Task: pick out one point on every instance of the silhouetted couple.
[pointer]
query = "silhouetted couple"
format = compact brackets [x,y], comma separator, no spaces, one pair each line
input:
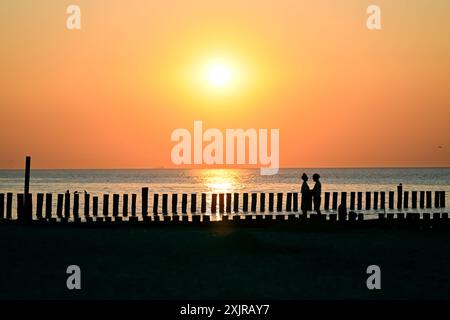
[310,196]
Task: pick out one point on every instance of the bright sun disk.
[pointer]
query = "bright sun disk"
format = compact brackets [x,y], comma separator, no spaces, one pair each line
[219,74]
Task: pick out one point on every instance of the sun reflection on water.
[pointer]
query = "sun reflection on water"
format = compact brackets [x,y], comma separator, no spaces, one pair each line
[221,180]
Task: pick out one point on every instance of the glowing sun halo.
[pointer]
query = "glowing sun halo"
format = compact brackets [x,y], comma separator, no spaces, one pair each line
[219,74]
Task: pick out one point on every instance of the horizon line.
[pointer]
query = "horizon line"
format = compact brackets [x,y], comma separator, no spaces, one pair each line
[249,168]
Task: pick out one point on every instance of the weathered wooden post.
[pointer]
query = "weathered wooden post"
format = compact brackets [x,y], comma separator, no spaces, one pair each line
[228,201]
[48,206]
[271,200]
[254,202]
[133,204]
[360,200]
[87,200]
[422,200]
[184,203]
[289,202]
[221,203]
[67,205]
[382,200]
[399,196]
[9,201]
[174,203]
[203,204]
[116,211]
[125,205]
[368,200]
[115,205]
[20,204]
[335,201]
[288,205]
[414,199]
[155,203]
[76,205]
[2,206]
[87,207]
[213,203]
[295,201]
[262,202]
[235,202]
[144,201]
[106,205]
[352,200]
[96,209]
[279,201]
[428,199]
[27,212]
[39,206]
[442,199]
[391,200]
[436,199]
[164,203]
[95,206]
[406,199]
[59,205]
[375,200]
[326,203]
[193,203]
[29,202]
[245,202]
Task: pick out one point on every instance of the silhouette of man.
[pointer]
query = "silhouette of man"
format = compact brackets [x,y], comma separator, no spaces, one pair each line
[317,192]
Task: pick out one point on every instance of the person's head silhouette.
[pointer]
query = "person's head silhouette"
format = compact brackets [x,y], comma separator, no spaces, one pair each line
[304,177]
[316,177]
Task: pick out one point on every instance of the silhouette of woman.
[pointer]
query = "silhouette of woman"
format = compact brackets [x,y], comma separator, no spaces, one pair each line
[306,195]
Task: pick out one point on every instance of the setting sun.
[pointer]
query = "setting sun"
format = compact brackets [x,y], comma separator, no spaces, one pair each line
[219,74]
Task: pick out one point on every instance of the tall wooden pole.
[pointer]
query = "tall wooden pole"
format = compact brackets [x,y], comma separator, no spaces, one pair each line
[27,215]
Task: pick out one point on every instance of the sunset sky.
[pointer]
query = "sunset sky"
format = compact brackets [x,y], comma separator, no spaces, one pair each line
[110,95]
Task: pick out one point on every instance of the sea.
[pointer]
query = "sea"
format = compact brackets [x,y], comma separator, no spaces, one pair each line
[128,181]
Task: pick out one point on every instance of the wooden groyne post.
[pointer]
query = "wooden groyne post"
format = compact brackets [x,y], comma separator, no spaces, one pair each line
[2,206]
[26,213]
[144,201]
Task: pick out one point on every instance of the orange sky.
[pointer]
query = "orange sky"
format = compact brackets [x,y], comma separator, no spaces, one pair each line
[109,95]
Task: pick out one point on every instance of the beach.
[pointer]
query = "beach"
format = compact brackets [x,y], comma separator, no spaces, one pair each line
[198,262]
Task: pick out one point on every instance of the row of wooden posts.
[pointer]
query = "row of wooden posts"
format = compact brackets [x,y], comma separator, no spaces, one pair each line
[220,203]
[228,202]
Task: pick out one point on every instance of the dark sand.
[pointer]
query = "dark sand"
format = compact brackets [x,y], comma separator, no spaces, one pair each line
[194,262]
